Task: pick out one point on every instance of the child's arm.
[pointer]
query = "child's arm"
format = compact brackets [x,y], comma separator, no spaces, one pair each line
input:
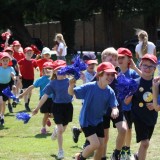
[41,102]
[29,89]
[115,112]
[156,82]
[72,83]
[13,76]
[128,100]
[134,67]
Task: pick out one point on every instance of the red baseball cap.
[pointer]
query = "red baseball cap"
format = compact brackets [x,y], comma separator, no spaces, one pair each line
[151,57]
[59,64]
[8,49]
[48,65]
[16,43]
[4,54]
[106,67]
[91,61]
[28,49]
[124,52]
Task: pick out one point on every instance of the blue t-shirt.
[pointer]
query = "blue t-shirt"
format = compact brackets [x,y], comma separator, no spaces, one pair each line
[96,103]
[130,73]
[42,82]
[89,76]
[59,91]
[5,74]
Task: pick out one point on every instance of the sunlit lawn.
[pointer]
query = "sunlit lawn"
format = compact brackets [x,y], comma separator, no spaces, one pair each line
[20,141]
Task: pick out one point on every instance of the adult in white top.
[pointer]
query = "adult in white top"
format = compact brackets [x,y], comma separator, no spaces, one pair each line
[144,46]
[61,47]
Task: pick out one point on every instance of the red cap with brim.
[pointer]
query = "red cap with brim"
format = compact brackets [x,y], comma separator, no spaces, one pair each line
[4,55]
[28,49]
[48,65]
[16,43]
[59,64]
[106,67]
[150,57]
[92,62]
[8,49]
[124,52]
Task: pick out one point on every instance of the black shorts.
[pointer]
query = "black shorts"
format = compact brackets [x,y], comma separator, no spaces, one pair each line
[47,107]
[143,131]
[11,83]
[63,113]
[107,119]
[128,117]
[2,87]
[90,130]
[26,83]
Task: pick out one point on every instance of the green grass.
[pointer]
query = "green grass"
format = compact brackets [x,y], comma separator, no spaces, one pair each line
[20,141]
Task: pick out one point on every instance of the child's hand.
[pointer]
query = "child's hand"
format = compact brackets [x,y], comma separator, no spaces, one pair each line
[115,113]
[128,99]
[72,82]
[156,81]
[150,106]
[132,64]
[34,112]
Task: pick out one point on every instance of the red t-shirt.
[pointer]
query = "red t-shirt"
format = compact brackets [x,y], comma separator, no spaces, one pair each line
[27,68]
[18,55]
[40,63]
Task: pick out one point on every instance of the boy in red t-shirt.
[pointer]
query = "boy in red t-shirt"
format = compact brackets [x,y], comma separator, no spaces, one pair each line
[46,55]
[27,66]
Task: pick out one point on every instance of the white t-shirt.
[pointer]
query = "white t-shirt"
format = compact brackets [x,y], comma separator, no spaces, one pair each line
[64,49]
[150,50]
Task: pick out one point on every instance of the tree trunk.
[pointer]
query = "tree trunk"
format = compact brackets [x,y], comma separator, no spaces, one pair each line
[68,30]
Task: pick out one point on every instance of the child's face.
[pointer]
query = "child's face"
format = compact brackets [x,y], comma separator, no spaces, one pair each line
[28,54]
[123,61]
[112,59]
[47,71]
[147,68]
[107,78]
[16,48]
[46,56]
[91,67]
[5,62]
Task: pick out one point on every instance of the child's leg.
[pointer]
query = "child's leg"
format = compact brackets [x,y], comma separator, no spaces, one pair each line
[142,152]
[94,145]
[1,104]
[106,138]
[60,130]
[98,152]
[44,120]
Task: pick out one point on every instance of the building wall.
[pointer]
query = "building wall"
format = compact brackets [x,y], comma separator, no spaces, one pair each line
[89,35]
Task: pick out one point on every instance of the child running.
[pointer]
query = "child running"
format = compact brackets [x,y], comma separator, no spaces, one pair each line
[63,109]
[98,97]
[41,82]
[8,73]
[27,66]
[46,55]
[143,112]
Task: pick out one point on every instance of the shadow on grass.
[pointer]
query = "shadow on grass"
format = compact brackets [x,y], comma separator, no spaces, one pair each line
[42,135]
[10,114]
[76,147]
[54,156]
[3,127]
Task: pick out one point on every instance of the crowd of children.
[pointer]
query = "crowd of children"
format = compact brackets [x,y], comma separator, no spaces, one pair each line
[100,101]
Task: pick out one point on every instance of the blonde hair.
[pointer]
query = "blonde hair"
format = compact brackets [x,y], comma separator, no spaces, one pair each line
[143,36]
[59,36]
[107,52]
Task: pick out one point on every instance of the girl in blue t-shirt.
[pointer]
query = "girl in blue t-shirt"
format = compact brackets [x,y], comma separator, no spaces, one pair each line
[6,74]
[41,82]
[98,97]
[62,101]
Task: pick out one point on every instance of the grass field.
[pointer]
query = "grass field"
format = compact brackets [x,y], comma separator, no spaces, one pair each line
[20,141]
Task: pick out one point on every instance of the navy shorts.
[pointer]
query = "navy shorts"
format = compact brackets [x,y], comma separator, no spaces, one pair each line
[2,87]
[90,130]
[128,117]
[47,107]
[143,131]
[26,83]
[63,113]
[107,119]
